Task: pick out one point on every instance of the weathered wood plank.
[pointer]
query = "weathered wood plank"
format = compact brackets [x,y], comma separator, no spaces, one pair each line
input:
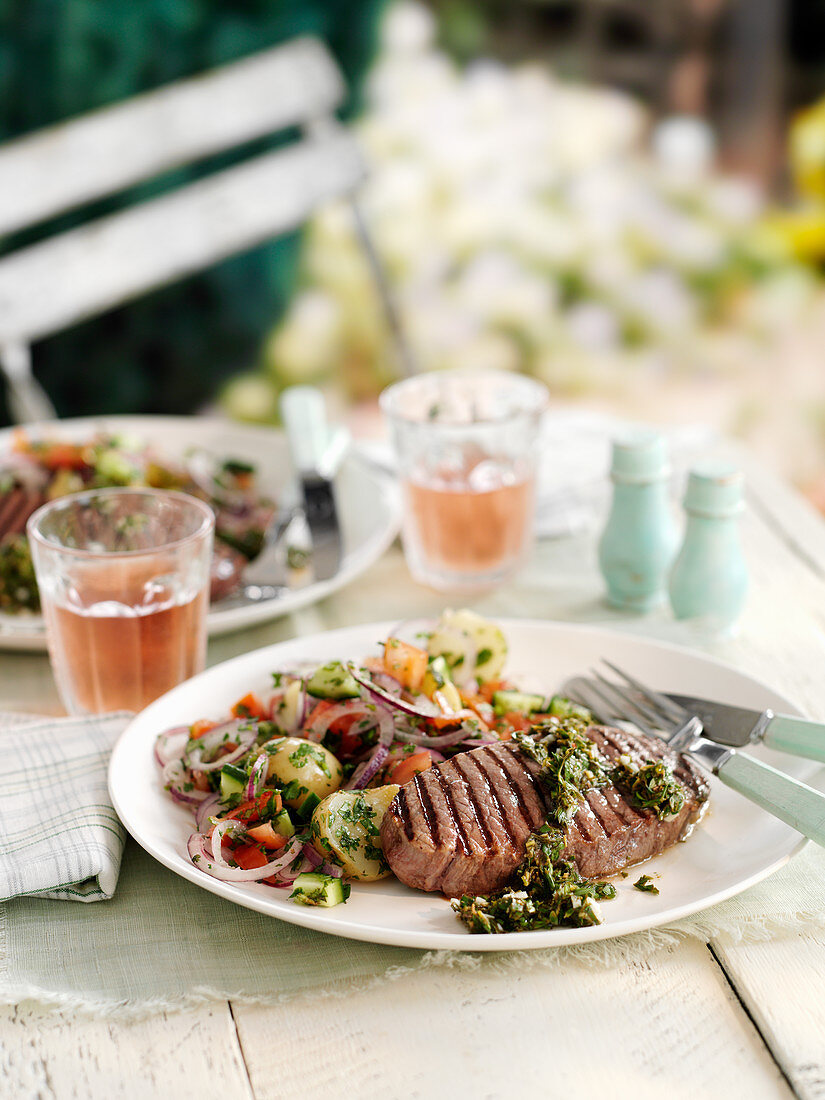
[52,285]
[60,1056]
[666,1027]
[782,983]
[103,152]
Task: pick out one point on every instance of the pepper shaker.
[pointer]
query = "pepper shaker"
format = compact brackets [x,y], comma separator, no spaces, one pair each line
[709,578]
[636,548]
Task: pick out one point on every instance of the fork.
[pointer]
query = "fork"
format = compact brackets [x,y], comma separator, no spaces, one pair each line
[795,803]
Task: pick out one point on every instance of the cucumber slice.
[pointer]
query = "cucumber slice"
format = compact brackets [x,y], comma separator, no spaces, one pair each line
[307,807]
[487,639]
[313,888]
[282,823]
[562,707]
[233,781]
[522,702]
[333,681]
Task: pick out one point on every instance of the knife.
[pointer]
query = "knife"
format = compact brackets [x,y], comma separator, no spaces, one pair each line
[316,455]
[730,725]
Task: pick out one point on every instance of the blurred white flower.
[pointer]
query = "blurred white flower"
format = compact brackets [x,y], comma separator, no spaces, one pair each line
[303,348]
[593,327]
[660,301]
[407,28]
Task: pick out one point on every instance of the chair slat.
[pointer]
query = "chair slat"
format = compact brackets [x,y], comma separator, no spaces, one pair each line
[75,162]
[59,282]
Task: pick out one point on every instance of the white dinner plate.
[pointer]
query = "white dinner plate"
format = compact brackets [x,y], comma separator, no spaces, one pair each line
[736,845]
[367,501]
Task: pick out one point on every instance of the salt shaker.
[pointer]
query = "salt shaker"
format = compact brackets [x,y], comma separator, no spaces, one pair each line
[637,545]
[709,579]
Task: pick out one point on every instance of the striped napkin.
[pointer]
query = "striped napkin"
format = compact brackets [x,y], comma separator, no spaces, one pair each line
[59,834]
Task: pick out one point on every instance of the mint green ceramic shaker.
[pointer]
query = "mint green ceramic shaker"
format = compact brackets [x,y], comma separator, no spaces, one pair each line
[636,548]
[709,579]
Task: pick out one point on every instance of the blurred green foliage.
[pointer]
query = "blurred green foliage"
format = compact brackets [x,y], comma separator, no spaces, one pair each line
[169,351]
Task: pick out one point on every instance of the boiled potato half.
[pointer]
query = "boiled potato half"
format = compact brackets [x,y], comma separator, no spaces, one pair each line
[487,638]
[314,768]
[346,826]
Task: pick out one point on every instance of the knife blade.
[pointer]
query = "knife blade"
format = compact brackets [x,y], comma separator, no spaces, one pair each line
[737,726]
[316,453]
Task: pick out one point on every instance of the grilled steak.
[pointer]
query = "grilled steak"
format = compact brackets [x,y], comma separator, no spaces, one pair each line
[460,827]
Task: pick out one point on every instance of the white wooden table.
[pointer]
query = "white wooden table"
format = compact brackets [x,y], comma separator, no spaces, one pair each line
[697,1020]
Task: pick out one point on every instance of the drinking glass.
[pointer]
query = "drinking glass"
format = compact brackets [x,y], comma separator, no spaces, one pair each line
[466,445]
[124,585]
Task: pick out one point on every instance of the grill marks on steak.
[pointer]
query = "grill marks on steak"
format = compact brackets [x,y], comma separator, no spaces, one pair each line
[461,826]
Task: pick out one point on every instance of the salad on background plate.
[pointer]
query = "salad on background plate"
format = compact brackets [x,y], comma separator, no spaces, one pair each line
[37,469]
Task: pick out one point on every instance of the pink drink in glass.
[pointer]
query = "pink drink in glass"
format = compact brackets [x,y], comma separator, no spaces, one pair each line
[124,584]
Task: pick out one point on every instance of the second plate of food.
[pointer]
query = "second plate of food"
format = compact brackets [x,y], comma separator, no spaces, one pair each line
[735,845]
[366,531]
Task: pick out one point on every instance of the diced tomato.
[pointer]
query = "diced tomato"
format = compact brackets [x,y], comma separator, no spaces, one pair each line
[63,456]
[406,663]
[250,706]
[249,856]
[487,690]
[200,782]
[444,722]
[266,805]
[266,835]
[517,721]
[202,726]
[407,768]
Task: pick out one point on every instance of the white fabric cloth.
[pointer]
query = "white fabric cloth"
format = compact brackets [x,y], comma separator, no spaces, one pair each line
[59,834]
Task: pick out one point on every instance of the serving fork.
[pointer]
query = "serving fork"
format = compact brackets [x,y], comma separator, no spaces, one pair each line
[795,803]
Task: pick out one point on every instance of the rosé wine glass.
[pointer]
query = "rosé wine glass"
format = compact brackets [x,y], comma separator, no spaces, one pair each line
[466,445]
[124,584]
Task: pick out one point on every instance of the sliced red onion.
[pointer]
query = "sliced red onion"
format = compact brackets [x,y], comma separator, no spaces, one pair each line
[228,826]
[176,777]
[313,857]
[367,769]
[387,682]
[410,631]
[444,740]
[257,777]
[441,699]
[415,710]
[205,811]
[25,470]
[303,710]
[240,731]
[356,708]
[170,744]
[463,647]
[201,855]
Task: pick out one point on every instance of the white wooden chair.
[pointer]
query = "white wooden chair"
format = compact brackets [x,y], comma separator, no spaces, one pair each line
[102,264]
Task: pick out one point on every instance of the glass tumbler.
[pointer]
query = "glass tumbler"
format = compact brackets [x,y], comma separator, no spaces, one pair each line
[124,585]
[466,446]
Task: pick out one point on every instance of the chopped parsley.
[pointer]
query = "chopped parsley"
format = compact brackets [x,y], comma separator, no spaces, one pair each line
[309,753]
[652,786]
[571,764]
[569,761]
[546,891]
[646,884]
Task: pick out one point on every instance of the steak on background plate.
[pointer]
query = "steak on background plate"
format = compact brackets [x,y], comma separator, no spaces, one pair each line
[461,826]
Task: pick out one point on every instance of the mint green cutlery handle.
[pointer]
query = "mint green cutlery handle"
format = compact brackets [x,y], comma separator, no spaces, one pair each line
[798,736]
[793,802]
